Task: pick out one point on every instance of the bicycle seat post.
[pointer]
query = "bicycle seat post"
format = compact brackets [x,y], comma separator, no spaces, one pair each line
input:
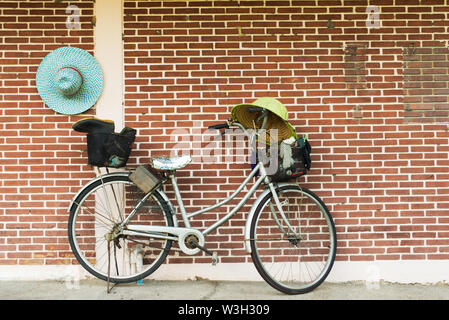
[179,198]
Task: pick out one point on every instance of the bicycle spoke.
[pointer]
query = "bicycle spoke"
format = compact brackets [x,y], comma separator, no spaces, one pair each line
[96,212]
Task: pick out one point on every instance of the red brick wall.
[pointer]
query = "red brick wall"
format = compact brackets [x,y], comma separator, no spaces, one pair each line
[41,165]
[382,170]
[379,136]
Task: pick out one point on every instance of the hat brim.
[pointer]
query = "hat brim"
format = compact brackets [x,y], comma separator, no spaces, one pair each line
[273,108]
[247,119]
[90,90]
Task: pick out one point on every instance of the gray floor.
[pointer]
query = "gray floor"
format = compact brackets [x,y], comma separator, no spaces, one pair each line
[213,290]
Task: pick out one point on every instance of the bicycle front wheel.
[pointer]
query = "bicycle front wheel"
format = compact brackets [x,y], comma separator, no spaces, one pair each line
[294,255]
[99,208]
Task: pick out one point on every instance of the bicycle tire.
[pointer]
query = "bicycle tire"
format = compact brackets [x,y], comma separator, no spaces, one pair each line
[274,260]
[78,218]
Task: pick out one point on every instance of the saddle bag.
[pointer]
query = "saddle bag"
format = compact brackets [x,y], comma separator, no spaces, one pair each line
[110,149]
[106,148]
[299,163]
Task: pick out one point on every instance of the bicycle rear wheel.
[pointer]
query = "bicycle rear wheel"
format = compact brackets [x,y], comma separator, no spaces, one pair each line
[297,258]
[97,210]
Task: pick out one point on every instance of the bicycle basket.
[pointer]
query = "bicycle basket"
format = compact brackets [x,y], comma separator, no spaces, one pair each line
[300,154]
[105,148]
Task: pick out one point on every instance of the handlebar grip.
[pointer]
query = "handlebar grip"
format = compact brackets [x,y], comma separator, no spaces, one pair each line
[219,126]
[255,109]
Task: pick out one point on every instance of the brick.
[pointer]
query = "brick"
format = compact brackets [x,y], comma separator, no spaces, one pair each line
[178,71]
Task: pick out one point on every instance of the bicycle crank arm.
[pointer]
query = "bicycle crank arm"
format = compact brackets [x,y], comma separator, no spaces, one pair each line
[213,254]
[196,245]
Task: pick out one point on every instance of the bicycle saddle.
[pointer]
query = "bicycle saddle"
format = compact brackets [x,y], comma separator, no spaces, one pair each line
[174,163]
[94,125]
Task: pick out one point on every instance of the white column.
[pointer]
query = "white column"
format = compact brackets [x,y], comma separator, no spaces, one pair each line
[109,53]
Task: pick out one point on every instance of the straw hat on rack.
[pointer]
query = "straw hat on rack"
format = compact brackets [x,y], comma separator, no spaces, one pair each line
[277,119]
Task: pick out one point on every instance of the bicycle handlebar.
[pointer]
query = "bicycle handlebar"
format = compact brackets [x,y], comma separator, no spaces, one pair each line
[219,126]
[251,135]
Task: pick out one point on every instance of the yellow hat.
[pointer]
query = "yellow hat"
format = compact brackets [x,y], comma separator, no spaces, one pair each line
[277,118]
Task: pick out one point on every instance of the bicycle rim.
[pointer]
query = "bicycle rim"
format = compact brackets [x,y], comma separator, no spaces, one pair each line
[97,210]
[298,258]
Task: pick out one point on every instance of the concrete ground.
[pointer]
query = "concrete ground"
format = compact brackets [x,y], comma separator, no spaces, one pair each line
[202,290]
[204,299]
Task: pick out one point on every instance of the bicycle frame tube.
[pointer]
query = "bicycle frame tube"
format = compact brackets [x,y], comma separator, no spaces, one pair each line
[233,211]
[186,217]
[244,183]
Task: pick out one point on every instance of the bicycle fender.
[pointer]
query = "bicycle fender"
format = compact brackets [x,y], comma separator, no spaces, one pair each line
[252,212]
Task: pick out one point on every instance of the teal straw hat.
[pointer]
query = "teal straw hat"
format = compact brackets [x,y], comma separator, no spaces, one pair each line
[69,80]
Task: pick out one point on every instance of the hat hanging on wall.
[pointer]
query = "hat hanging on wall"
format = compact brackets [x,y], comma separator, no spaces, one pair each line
[69,80]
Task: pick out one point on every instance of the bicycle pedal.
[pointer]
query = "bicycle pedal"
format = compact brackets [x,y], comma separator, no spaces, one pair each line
[214,258]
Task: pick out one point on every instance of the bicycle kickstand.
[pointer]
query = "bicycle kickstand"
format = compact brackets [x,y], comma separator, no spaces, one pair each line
[109,289]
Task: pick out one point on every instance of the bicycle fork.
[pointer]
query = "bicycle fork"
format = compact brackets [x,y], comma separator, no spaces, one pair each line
[278,217]
[281,211]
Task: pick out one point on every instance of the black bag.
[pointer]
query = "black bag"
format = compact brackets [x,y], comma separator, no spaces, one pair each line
[110,149]
[105,148]
[301,150]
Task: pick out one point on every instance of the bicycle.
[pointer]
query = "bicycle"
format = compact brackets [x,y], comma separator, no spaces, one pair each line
[289,231]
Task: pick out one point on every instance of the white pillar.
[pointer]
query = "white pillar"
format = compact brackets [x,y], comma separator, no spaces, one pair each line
[109,53]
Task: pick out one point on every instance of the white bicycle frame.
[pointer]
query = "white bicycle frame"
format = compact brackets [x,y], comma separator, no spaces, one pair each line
[176,232]
[179,233]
